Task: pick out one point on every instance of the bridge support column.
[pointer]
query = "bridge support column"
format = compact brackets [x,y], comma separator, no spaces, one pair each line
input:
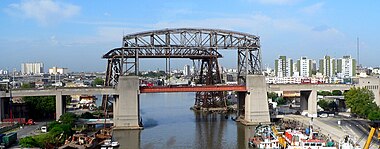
[127,105]
[303,101]
[311,97]
[256,101]
[2,112]
[59,109]
[240,103]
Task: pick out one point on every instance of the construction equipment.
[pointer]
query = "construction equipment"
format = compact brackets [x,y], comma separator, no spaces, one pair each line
[30,122]
[375,125]
[281,139]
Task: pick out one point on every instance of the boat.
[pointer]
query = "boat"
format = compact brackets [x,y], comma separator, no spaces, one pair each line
[264,138]
[80,141]
[109,144]
[348,143]
[297,139]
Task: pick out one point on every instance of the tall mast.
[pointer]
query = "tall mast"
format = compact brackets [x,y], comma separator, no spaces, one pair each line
[357,51]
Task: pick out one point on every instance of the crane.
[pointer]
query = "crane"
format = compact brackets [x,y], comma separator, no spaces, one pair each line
[375,125]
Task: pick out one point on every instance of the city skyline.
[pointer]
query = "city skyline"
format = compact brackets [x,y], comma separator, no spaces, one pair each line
[75,35]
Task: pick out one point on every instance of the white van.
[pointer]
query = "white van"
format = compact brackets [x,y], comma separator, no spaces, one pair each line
[44,129]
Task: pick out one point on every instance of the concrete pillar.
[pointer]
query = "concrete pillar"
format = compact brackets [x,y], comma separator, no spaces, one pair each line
[240,103]
[1,108]
[303,101]
[256,101]
[127,105]
[309,102]
[115,98]
[58,105]
[312,104]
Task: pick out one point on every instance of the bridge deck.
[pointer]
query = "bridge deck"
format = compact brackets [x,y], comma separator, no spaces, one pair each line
[207,88]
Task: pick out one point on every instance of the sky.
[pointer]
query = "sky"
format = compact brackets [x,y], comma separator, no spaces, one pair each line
[75,34]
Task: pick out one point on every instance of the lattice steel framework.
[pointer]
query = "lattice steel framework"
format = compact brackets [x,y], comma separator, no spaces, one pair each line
[201,44]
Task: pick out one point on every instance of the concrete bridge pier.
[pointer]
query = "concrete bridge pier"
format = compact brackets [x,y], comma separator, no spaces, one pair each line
[256,101]
[59,105]
[309,102]
[2,111]
[127,105]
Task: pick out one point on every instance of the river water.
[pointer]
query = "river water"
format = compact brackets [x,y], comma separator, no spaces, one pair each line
[169,123]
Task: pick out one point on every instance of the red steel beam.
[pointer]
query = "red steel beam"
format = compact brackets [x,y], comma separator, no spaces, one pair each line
[207,88]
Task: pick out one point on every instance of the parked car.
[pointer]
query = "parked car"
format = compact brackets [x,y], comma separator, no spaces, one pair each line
[44,129]
[323,115]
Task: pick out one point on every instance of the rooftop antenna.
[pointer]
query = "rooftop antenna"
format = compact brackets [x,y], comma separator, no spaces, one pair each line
[357,51]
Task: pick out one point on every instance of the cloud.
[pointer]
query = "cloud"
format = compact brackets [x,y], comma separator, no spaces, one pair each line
[312,9]
[321,28]
[45,12]
[276,2]
[54,40]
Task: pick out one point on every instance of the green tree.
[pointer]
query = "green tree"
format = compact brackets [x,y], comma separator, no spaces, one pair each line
[98,81]
[324,104]
[68,118]
[374,115]
[42,106]
[281,101]
[336,93]
[361,101]
[27,85]
[324,93]
[272,95]
[87,115]
[28,142]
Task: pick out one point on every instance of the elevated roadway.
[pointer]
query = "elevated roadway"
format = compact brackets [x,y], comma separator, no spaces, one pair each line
[63,91]
[308,87]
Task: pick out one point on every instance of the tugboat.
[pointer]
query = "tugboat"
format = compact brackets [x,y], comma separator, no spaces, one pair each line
[348,143]
[264,138]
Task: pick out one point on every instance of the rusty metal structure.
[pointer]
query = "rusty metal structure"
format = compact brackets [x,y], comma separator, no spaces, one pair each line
[191,43]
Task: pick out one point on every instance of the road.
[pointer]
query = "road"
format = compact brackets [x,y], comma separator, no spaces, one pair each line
[29,130]
[359,128]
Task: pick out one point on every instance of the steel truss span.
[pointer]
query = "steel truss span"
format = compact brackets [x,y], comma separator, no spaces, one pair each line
[191,43]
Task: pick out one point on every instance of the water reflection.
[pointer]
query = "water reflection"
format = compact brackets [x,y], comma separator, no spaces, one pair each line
[209,130]
[128,138]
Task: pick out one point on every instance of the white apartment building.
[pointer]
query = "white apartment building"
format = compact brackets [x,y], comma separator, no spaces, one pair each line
[186,70]
[56,70]
[305,67]
[283,67]
[35,68]
[346,67]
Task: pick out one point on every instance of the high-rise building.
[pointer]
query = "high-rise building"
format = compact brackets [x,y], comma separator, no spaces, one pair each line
[305,67]
[283,67]
[327,66]
[186,70]
[346,67]
[35,68]
[56,70]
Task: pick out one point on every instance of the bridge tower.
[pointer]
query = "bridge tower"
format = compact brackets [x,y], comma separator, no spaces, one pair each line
[210,75]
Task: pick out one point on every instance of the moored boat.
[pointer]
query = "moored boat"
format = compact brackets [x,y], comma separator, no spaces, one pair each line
[309,139]
[348,142]
[264,138]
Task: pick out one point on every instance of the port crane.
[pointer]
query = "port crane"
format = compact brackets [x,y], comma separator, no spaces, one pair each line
[375,125]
